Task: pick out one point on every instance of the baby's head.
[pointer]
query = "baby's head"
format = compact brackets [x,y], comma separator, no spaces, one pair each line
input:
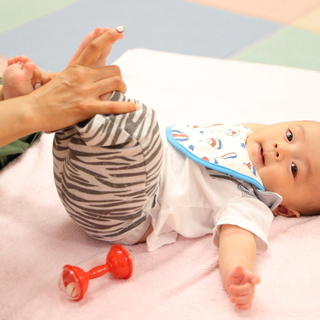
[287,158]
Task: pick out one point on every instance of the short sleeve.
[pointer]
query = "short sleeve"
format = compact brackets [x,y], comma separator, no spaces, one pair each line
[250,214]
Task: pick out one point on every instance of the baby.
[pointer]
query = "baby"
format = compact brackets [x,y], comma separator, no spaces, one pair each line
[121,181]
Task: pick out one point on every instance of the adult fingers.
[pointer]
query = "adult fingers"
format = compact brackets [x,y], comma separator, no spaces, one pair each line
[107,85]
[88,80]
[46,77]
[105,72]
[40,78]
[36,78]
[88,38]
[111,107]
[93,50]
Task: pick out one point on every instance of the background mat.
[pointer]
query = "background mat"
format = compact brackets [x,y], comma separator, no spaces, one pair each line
[279,32]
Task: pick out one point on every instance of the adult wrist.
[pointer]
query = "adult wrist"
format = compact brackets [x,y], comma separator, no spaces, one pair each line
[1,94]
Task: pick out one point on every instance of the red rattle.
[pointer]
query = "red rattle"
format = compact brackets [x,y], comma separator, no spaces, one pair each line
[74,281]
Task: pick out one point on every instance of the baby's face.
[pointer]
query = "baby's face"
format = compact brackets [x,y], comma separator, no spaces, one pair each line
[287,157]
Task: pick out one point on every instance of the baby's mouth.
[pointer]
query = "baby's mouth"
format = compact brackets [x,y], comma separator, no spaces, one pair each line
[262,156]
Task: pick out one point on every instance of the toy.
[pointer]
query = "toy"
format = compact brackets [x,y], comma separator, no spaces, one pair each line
[74,281]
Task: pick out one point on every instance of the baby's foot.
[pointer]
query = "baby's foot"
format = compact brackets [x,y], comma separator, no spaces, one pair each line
[17,77]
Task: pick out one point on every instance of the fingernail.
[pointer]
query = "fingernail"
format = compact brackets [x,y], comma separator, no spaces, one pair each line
[138,107]
[120,29]
[37,85]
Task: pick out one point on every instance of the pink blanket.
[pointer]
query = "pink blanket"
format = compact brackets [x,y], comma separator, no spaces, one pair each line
[179,281]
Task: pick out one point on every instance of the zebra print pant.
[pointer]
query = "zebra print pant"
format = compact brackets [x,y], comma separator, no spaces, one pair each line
[107,170]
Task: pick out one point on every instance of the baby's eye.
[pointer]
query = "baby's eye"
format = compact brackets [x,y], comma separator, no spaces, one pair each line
[294,169]
[289,135]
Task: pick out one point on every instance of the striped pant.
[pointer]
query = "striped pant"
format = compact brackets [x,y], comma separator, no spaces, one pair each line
[107,171]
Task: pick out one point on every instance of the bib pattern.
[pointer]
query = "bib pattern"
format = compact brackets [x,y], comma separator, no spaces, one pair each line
[219,147]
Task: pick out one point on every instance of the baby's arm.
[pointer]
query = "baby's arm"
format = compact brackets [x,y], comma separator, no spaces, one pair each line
[237,252]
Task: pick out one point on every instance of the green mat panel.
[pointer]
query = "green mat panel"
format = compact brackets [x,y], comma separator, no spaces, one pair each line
[290,46]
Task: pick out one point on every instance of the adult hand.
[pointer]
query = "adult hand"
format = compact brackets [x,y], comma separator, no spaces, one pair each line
[73,95]
[70,97]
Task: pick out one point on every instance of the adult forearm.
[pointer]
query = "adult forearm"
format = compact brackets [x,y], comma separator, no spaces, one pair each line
[13,120]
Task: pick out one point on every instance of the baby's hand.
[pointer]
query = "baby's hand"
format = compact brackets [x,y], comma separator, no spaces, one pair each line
[240,284]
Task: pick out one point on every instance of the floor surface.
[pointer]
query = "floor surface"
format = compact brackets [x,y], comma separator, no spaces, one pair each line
[277,32]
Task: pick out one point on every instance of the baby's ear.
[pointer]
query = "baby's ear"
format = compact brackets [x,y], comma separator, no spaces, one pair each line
[285,212]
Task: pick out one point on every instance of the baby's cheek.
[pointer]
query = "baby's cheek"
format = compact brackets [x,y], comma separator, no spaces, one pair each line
[270,180]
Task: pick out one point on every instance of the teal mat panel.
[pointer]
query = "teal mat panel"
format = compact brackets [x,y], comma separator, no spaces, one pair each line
[17,12]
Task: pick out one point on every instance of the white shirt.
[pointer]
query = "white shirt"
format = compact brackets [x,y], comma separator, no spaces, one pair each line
[193,204]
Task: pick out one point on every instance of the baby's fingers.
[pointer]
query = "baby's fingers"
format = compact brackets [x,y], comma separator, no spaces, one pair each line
[245,306]
[242,296]
[241,290]
[255,279]
[238,272]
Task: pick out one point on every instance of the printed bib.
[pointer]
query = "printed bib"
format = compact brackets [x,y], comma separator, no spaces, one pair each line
[219,147]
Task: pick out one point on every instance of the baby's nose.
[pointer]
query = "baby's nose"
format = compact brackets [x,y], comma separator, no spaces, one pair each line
[279,151]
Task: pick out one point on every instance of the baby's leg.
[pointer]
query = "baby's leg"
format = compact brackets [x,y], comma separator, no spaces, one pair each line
[17,77]
[107,171]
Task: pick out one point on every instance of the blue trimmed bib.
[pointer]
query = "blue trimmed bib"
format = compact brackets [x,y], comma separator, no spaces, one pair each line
[219,147]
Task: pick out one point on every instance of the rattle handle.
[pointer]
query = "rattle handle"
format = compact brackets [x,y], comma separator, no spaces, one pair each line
[98,271]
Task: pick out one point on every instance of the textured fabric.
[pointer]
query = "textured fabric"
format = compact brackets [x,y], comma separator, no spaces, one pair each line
[221,147]
[14,149]
[106,172]
[194,201]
